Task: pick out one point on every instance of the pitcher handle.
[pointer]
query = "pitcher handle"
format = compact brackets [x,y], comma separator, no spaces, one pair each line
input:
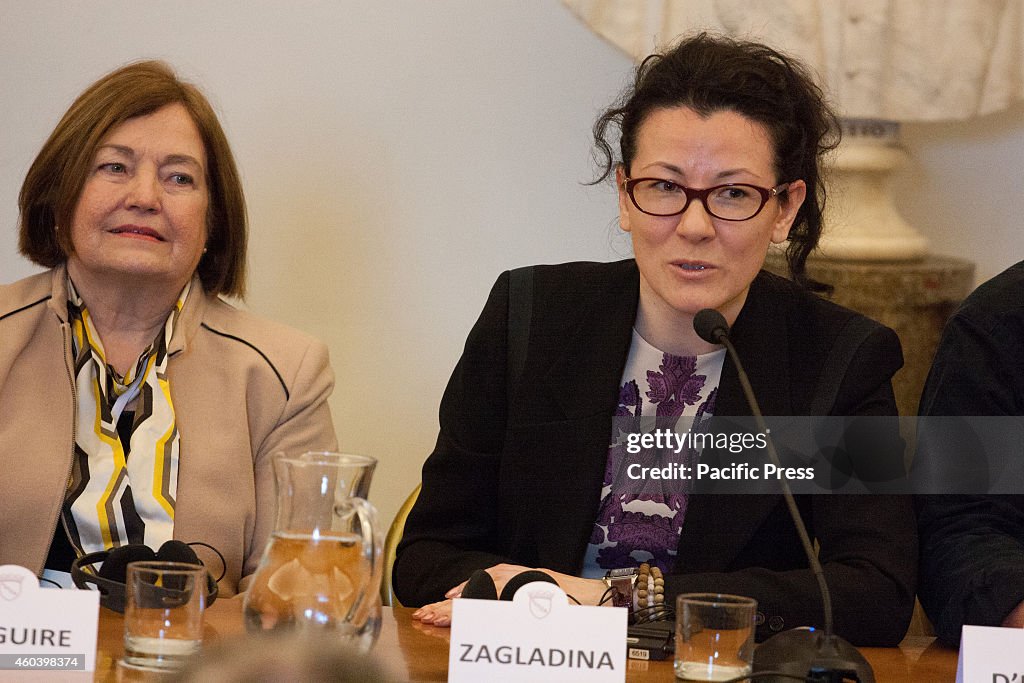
[373,545]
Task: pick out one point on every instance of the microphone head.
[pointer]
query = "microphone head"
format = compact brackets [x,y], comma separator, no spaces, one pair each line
[710,325]
[480,586]
[523,578]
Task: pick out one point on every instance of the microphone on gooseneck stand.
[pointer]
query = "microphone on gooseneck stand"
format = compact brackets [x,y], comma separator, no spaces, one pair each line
[818,656]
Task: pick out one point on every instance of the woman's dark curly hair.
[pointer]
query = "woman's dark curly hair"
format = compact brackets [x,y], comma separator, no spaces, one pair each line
[712,73]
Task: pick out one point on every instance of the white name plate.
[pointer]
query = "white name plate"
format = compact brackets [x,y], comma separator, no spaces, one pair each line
[45,629]
[538,636]
[990,654]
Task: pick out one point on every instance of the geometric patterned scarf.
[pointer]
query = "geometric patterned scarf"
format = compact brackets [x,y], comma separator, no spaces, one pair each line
[117,496]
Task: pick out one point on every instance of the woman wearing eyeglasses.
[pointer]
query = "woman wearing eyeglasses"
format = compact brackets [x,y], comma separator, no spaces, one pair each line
[720,151]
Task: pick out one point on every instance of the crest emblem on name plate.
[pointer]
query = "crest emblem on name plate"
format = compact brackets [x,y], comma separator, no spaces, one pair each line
[10,586]
[540,604]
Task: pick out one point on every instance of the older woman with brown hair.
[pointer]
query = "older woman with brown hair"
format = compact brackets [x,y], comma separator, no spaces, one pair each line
[138,406]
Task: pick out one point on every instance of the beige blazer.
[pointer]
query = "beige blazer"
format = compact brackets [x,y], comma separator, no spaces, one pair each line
[243,389]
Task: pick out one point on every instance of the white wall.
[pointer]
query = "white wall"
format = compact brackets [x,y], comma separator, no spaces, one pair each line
[964,188]
[398,155]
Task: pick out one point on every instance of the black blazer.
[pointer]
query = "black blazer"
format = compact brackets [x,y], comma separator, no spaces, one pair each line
[972,547]
[521,483]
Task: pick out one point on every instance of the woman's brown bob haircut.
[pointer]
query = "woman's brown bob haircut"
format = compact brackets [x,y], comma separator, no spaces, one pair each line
[54,183]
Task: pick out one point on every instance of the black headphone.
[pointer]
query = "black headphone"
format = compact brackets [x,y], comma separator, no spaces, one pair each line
[112,575]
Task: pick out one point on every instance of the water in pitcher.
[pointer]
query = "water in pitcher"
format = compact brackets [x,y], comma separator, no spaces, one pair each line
[311,580]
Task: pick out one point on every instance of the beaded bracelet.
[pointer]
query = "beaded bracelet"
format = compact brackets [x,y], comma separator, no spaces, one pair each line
[650,589]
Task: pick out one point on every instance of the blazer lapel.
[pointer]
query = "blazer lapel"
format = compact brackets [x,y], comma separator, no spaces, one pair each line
[578,391]
[718,527]
[584,374]
[761,338]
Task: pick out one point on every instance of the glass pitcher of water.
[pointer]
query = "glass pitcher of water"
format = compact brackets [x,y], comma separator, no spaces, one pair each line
[322,567]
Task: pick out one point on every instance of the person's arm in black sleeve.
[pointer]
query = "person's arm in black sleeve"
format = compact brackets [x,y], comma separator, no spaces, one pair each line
[972,546]
[972,561]
[453,528]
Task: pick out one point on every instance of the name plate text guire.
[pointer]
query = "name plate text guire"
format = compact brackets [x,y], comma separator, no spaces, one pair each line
[40,629]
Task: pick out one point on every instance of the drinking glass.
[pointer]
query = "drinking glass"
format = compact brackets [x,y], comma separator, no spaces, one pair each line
[163,617]
[714,636]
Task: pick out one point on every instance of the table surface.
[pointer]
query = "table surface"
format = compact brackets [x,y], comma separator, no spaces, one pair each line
[420,653]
